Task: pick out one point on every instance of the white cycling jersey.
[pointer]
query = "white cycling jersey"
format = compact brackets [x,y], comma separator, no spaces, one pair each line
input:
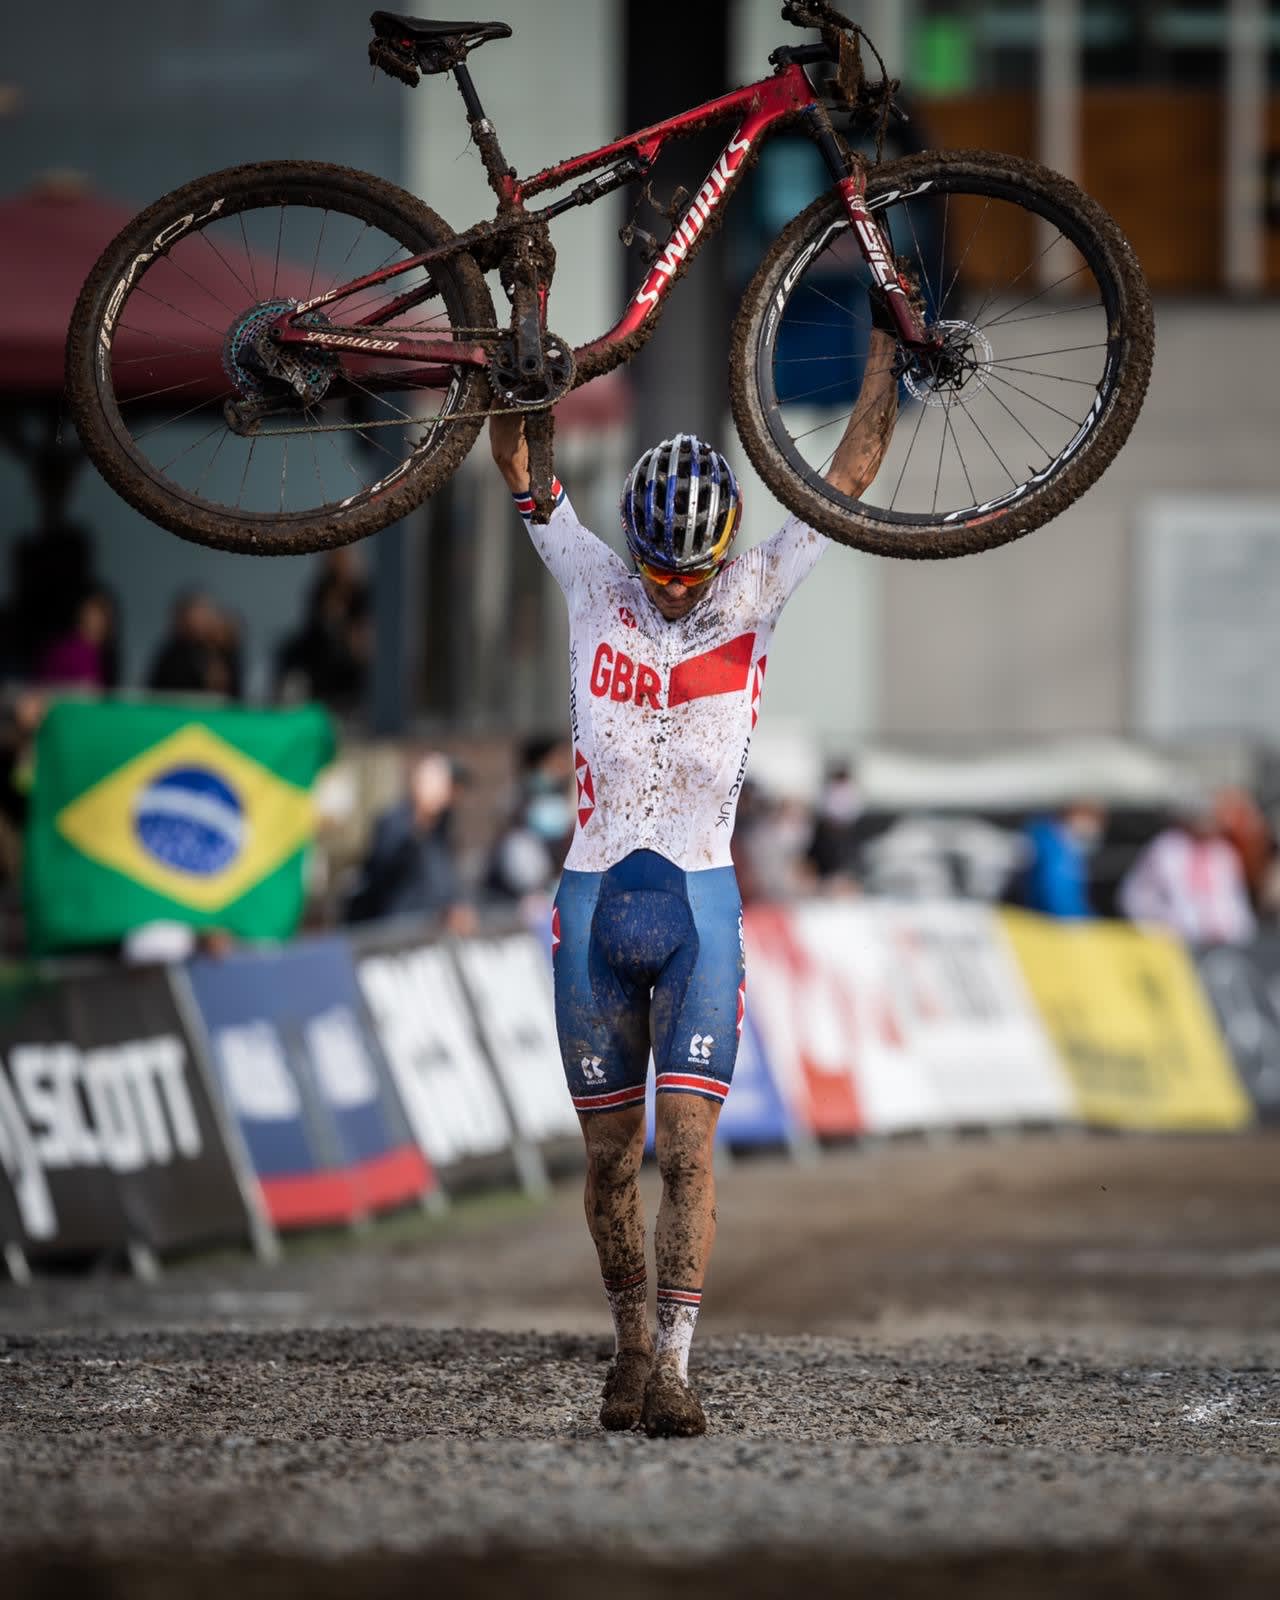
[662,712]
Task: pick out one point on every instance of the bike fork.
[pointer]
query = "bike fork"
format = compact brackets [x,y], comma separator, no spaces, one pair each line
[850,178]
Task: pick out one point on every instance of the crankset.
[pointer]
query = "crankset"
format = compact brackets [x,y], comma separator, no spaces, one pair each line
[517,389]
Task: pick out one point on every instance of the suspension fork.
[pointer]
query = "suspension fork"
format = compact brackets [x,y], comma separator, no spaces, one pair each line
[850,177]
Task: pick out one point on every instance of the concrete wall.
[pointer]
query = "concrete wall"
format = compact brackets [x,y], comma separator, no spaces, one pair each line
[1037,638]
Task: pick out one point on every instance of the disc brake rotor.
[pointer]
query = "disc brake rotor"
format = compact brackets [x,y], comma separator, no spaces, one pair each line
[956,372]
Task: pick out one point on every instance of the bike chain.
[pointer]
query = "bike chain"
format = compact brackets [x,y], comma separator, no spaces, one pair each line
[406,422]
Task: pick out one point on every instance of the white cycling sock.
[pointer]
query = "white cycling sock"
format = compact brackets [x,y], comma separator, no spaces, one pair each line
[629,1305]
[677,1316]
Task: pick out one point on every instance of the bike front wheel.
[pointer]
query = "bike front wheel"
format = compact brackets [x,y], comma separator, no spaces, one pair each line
[169,351]
[1046,335]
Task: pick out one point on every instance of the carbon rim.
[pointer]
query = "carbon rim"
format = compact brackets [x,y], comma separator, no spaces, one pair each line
[229,255]
[978,448]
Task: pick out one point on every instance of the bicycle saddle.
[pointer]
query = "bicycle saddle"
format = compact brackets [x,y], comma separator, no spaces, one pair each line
[425,30]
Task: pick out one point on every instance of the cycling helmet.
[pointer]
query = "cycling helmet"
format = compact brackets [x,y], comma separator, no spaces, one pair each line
[681,505]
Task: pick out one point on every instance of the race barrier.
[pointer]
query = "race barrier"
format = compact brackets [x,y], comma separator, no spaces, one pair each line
[1131,1023]
[326,1080]
[303,1072]
[883,1018]
[109,1136]
[1243,983]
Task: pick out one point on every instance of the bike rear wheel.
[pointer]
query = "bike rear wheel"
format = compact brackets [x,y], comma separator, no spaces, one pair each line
[169,327]
[1048,328]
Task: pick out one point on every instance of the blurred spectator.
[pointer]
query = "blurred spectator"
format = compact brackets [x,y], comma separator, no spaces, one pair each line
[49,571]
[410,868]
[770,845]
[327,658]
[1242,824]
[530,851]
[17,755]
[226,644]
[79,656]
[1189,880]
[1055,879]
[936,858]
[833,849]
[193,658]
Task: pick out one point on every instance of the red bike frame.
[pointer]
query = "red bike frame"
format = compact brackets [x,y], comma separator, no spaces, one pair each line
[761,109]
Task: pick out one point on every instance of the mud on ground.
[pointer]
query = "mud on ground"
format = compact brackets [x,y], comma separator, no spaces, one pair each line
[1041,1366]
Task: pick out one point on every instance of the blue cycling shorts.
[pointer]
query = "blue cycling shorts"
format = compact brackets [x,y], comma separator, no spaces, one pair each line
[647,953]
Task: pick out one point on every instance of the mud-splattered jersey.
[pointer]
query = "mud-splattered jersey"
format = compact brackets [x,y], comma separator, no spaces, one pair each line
[662,713]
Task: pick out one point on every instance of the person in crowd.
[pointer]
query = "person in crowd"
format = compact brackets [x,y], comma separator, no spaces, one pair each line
[410,868]
[49,569]
[1055,877]
[226,643]
[327,657]
[17,754]
[1190,881]
[192,658]
[79,657]
[529,852]
[833,849]
[1244,826]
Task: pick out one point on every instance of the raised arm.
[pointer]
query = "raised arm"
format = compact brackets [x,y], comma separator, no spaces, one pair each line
[871,423]
[570,551]
[510,449]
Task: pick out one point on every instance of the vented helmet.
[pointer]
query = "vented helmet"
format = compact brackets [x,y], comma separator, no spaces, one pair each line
[681,505]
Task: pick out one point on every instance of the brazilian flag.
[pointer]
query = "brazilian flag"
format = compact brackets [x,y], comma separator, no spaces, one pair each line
[147,812]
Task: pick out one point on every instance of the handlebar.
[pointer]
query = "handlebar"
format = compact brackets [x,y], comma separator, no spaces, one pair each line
[840,44]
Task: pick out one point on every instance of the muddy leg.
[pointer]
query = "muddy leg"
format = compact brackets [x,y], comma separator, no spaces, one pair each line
[615,1216]
[686,1230]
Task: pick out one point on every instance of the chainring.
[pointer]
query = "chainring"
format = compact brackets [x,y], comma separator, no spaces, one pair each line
[514,388]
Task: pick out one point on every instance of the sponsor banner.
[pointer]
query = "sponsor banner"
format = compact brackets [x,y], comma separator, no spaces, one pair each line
[303,1073]
[883,1017]
[154,812]
[802,1006]
[107,1133]
[1243,983]
[423,1019]
[958,1003]
[509,984]
[1131,1025]
[11,1229]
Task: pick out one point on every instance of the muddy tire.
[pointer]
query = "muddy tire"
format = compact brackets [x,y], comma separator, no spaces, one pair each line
[1001,518]
[108,441]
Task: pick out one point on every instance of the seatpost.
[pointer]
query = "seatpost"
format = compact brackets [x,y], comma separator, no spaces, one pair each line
[495,163]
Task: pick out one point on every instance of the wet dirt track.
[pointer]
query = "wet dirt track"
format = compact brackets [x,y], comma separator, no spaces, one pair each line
[1028,1367]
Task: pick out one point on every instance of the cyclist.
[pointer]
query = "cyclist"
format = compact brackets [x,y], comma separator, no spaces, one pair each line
[666,665]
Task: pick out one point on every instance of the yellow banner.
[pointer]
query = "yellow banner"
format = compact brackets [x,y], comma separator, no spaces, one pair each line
[1135,1034]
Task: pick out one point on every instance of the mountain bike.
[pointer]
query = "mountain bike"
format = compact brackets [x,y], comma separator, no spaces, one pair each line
[287,356]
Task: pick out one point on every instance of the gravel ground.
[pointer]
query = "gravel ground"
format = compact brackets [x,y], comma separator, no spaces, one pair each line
[1027,1367]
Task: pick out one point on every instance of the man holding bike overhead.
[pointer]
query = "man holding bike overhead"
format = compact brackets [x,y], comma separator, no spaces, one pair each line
[666,667]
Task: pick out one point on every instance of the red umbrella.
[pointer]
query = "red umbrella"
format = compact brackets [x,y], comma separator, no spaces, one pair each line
[171,330]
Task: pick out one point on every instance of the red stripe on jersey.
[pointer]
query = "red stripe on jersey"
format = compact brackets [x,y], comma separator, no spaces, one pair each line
[721,671]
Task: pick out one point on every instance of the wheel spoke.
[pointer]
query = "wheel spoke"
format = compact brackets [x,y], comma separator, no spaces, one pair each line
[1031,299]
[999,377]
[897,487]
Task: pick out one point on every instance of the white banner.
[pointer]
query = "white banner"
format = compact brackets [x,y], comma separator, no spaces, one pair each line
[884,1017]
[509,982]
[421,1014]
[967,1017]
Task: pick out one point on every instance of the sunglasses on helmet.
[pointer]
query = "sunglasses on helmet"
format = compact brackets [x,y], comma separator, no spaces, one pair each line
[690,579]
